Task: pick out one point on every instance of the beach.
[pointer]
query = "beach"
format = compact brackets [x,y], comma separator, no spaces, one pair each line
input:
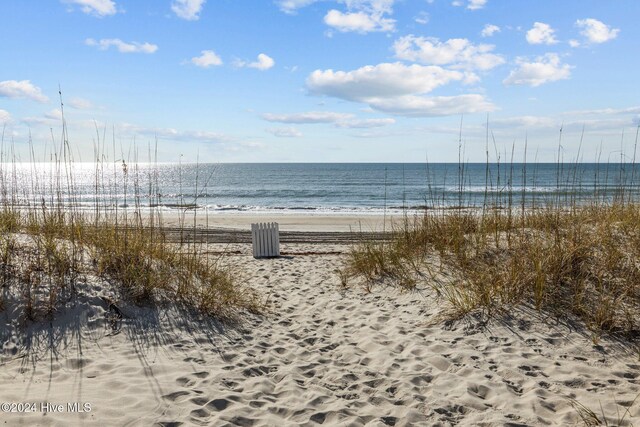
[318,355]
[343,223]
[319,213]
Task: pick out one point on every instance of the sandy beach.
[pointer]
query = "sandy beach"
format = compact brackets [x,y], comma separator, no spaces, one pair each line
[291,222]
[319,355]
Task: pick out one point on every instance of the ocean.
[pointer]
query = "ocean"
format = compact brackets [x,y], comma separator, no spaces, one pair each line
[315,188]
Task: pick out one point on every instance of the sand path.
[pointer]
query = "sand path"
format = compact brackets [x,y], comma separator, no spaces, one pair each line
[322,356]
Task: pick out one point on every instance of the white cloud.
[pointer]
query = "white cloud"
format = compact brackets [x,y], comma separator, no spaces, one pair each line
[422,18]
[606,111]
[489,30]
[476,4]
[422,106]
[458,53]
[263,63]
[308,117]
[287,132]
[5,117]
[49,119]
[545,69]
[382,80]
[79,104]
[341,120]
[98,8]
[541,33]
[172,134]
[596,31]
[291,6]
[188,9]
[55,114]
[207,59]
[359,22]
[361,16]
[396,88]
[574,43]
[365,123]
[525,122]
[21,89]
[603,119]
[123,47]
[471,4]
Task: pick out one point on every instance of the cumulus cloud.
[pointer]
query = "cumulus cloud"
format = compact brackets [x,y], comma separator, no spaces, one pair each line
[362,16]
[22,89]
[264,62]
[489,30]
[208,58]
[382,80]
[98,8]
[596,31]
[360,22]
[123,47]
[188,9]
[457,53]
[541,33]
[544,69]
[286,132]
[396,88]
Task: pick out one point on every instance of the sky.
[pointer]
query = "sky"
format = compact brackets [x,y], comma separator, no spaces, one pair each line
[321,80]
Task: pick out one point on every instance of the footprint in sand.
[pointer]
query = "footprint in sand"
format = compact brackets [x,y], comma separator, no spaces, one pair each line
[176,396]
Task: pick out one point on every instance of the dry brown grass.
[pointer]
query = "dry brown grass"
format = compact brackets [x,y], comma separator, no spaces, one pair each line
[44,257]
[583,261]
[48,243]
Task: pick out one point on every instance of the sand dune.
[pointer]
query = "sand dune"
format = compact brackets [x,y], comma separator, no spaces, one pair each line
[321,355]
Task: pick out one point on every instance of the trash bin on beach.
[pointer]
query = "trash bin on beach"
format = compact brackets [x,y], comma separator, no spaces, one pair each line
[265,238]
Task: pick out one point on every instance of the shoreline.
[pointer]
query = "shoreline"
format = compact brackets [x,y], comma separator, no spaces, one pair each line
[289,222]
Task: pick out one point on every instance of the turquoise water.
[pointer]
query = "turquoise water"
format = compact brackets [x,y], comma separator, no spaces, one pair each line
[319,187]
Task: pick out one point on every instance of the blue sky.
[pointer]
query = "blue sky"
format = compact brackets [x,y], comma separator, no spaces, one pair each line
[322,80]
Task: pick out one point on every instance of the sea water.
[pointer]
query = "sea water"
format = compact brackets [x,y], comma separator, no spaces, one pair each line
[314,188]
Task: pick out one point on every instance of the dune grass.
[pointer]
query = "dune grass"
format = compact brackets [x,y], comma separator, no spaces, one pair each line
[49,243]
[563,257]
[44,257]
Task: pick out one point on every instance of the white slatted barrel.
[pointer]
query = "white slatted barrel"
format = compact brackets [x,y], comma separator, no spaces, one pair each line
[265,238]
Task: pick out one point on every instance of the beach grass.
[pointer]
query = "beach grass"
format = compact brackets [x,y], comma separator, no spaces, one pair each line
[565,257]
[49,244]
